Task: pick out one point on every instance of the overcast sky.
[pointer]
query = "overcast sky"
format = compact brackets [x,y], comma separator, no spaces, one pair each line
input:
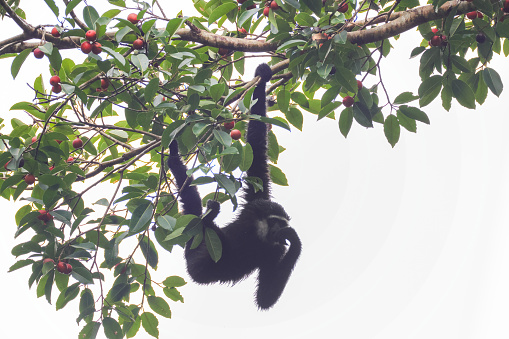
[410,242]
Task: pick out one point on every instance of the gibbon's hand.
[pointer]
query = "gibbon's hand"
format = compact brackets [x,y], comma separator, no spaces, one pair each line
[286,233]
[213,208]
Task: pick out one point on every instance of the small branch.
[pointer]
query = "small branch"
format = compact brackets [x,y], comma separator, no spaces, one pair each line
[80,23]
[26,27]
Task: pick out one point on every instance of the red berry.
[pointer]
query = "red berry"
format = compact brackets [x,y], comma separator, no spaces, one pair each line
[251,7]
[472,15]
[86,47]
[34,139]
[58,141]
[55,32]
[70,159]
[48,260]
[266,11]
[68,268]
[38,53]
[434,30]
[229,125]
[56,89]
[29,179]
[348,101]
[54,80]
[436,40]
[343,8]
[235,134]
[5,165]
[506,6]
[44,216]
[138,44]
[52,167]
[133,18]
[62,267]
[480,38]
[223,51]
[242,30]
[96,48]
[274,5]
[105,83]
[77,143]
[241,1]
[359,85]
[91,35]
[480,15]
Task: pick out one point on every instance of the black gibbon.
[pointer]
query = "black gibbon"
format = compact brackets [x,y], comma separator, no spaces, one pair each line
[258,237]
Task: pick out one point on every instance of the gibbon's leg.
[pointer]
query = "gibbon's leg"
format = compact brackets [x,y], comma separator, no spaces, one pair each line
[274,274]
[257,138]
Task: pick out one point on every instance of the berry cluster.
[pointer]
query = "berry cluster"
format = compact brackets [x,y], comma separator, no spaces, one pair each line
[55,83]
[90,45]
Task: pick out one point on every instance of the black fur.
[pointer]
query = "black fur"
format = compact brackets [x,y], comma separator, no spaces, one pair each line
[247,245]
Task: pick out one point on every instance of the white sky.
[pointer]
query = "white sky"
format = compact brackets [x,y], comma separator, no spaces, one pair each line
[409,242]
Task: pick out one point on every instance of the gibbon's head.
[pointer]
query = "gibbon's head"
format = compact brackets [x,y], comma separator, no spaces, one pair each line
[270,218]
[264,72]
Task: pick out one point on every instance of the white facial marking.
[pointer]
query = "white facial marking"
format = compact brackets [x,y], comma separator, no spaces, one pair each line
[263,229]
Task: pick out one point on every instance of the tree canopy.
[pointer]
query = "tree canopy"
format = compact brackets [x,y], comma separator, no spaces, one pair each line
[146,79]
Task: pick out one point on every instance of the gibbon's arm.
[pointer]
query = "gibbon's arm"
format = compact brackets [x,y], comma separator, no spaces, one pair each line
[274,275]
[257,138]
[189,195]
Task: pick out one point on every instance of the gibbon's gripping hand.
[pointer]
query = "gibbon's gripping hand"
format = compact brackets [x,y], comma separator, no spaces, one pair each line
[287,233]
[213,208]
[264,72]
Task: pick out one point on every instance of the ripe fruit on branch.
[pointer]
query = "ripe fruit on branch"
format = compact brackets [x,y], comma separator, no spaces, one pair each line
[55,32]
[44,216]
[105,83]
[229,125]
[86,47]
[34,139]
[54,80]
[223,51]
[348,101]
[96,48]
[138,44]
[343,8]
[434,30]
[274,5]
[235,134]
[506,6]
[38,54]
[56,89]
[359,85]
[436,41]
[241,1]
[48,260]
[251,7]
[480,38]
[70,159]
[77,143]
[242,30]
[133,18]
[91,35]
[29,179]
[266,11]
[64,267]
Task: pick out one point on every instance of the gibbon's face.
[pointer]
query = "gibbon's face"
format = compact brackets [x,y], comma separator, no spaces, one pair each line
[267,228]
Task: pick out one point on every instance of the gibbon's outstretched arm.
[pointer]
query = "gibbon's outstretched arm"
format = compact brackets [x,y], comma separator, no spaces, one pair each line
[257,138]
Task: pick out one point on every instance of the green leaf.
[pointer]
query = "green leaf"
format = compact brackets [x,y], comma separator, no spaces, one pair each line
[493,80]
[277,176]
[112,329]
[82,275]
[150,323]
[141,61]
[314,5]
[246,158]
[167,222]
[223,137]
[90,330]
[90,16]
[407,122]
[141,217]
[216,91]
[213,244]
[71,5]
[463,93]
[52,6]
[18,61]
[151,90]
[149,252]
[345,121]
[67,295]
[294,117]
[346,78]
[159,305]
[220,11]
[392,129]
[429,89]
[414,113]
[21,263]
[404,98]
[174,281]
[290,44]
